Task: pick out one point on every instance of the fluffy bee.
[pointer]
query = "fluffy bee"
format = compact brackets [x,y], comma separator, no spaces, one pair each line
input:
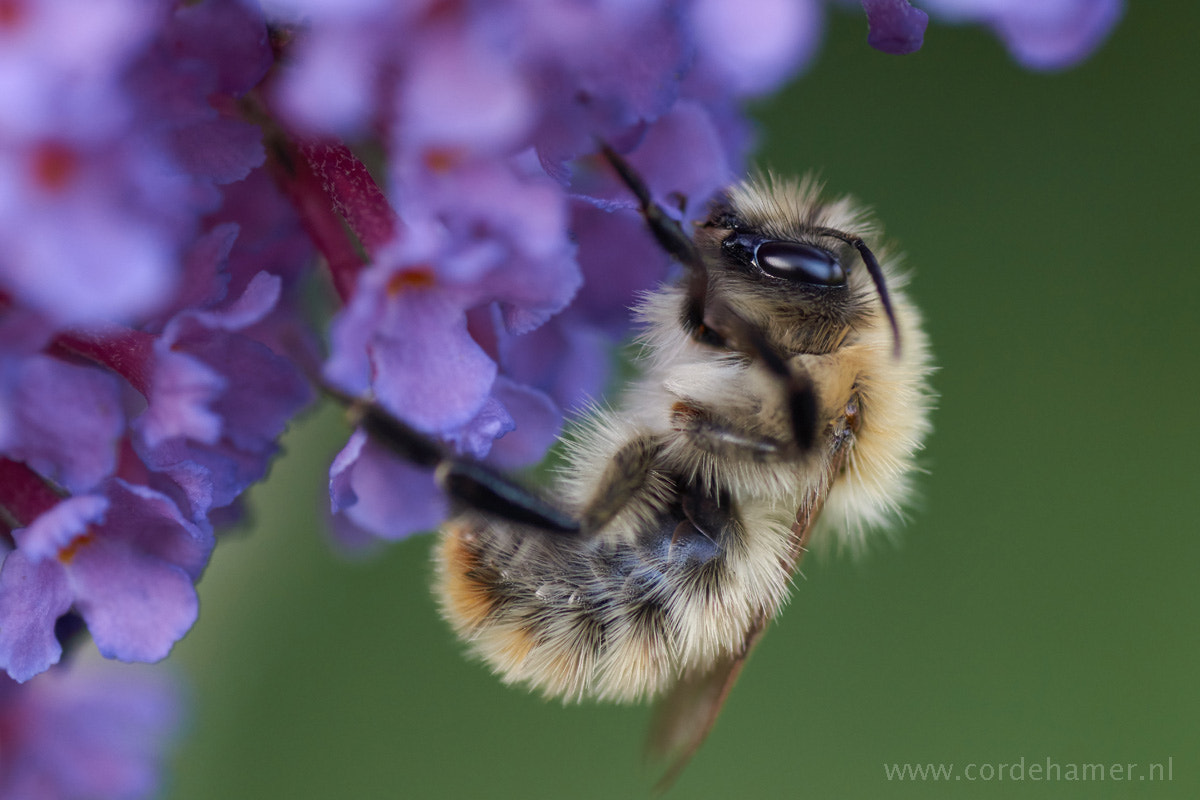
[785,376]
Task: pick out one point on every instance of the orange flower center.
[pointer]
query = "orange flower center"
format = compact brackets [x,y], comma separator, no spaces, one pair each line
[68,553]
[409,279]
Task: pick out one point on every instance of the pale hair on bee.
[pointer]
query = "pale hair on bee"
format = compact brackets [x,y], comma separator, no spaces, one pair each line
[785,376]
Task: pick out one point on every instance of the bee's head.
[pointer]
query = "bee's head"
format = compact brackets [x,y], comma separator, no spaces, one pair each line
[779,253]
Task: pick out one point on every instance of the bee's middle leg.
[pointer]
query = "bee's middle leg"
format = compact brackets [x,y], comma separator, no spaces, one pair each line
[723,436]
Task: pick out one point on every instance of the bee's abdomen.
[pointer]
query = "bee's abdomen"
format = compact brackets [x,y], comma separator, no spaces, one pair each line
[577,619]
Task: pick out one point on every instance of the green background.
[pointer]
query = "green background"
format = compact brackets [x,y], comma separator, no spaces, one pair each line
[1041,603]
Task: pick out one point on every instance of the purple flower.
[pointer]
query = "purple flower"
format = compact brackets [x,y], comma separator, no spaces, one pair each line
[218,400]
[397,499]
[120,128]
[110,147]
[79,239]
[86,732]
[374,492]
[753,47]
[124,550]
[125,560]
[64,419]
[1040,34]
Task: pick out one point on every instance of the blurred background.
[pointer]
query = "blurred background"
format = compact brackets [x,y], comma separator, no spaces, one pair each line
[1039,605]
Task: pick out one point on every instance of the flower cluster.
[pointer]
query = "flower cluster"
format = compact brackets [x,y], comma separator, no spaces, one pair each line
[176,176]
[468,322]
[139,391]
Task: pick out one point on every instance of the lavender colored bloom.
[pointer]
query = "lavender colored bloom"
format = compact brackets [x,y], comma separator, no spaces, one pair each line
[753,47]
[79,242]
[125,550]
[507,246]
[65,419]
[400,499]
[117,134]
[536,420]
[1040,34]
[121,134]
[218,400]
[86,732]
[600,70]
[381,340]
[126,561]
[460,97]
[110,147]
[377,341]
[493,232]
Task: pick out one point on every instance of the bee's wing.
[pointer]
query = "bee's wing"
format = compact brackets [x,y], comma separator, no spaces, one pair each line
[685,716]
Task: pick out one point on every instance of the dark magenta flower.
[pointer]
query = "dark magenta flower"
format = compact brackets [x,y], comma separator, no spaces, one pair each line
[896,27]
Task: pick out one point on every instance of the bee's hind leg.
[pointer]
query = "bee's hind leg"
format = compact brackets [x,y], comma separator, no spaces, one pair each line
[625,474]
[469,483]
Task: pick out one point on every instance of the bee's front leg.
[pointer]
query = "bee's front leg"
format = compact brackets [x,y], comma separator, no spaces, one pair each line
[469,483]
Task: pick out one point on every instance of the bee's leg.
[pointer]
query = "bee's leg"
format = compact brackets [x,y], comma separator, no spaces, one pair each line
[719,326]
[468,482]
[724,437]
[627,472]
[800,395]
[671,237]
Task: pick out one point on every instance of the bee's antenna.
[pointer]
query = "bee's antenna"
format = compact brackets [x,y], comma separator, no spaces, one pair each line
[876,275]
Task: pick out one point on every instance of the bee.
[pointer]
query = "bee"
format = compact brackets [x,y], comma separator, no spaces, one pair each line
[784,377]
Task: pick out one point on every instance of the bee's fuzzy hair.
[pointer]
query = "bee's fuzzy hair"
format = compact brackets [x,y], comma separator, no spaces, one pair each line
[604,614]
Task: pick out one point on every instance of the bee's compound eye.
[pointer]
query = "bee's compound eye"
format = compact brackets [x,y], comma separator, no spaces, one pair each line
[794,261]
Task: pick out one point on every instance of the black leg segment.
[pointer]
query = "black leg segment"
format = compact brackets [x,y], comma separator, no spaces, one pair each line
[468,482]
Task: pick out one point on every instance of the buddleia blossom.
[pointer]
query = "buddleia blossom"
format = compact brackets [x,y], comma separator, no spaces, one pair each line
[469,322]
[86,732]
[173,178]
[143,376]
[1040,34]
